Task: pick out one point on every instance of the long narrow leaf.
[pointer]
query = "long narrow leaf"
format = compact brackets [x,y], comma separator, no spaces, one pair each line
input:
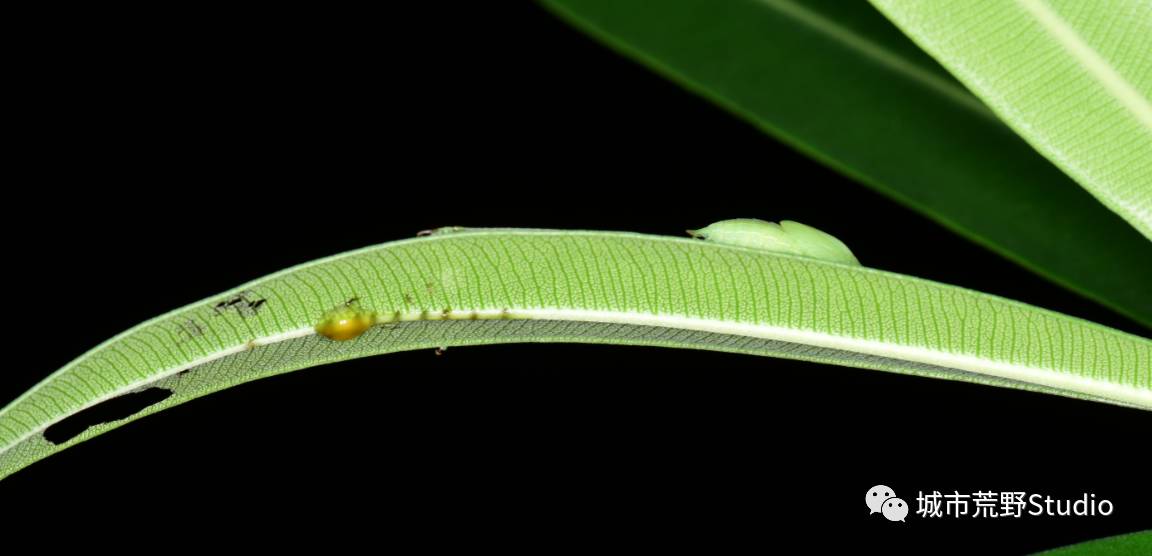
[1074,78]
[500,286]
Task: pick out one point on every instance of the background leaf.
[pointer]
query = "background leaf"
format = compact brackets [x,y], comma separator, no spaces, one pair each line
[1132,543]
[1074,78]
[837,81]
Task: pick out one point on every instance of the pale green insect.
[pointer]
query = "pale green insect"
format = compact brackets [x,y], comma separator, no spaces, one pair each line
[786,237]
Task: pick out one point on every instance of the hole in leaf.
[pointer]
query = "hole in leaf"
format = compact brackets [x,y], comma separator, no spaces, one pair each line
[115,409]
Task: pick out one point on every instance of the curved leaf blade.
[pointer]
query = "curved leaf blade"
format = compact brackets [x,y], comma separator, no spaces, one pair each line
[1073,78]
[500,286]
[1119,545]
[840,83]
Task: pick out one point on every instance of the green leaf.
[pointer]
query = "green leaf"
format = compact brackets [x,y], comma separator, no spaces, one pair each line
[504,285]
[1074,78]
[1120,545]
[837,81]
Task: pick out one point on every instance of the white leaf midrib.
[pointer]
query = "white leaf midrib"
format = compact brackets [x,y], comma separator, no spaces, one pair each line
[1001,369]
[1089,60]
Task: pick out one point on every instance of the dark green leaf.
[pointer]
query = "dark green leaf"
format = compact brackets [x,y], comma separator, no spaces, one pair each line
[837,81]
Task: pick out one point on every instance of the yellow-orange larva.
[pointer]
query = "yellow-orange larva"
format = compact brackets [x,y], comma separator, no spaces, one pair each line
[345,322]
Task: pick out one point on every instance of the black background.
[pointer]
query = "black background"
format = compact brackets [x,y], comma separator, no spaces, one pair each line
[174,155]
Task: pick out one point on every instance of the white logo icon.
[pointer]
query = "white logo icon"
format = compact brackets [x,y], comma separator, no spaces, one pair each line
[895,509]
[882,500]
